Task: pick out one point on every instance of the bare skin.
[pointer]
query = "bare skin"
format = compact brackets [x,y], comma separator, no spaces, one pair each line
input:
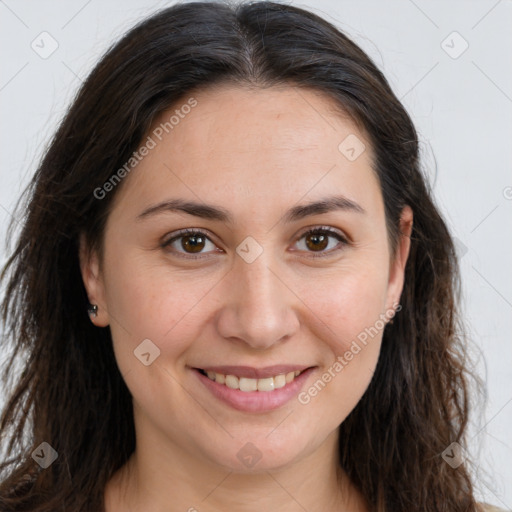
[256,153]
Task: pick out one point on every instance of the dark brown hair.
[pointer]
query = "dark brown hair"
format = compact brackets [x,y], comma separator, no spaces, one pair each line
[69,391]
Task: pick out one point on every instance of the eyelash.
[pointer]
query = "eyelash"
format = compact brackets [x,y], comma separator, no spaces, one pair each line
[315,231]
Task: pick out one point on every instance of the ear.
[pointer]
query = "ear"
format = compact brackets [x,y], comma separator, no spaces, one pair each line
[397,265]
[93,282]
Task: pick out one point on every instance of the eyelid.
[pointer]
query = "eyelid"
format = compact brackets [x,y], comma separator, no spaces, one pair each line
[343,239]
[328,229]
[176,235]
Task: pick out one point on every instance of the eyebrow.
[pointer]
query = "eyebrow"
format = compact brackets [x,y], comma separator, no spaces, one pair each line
[217,213]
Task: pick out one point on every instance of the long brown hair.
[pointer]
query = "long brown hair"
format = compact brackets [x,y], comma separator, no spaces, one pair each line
[69,391]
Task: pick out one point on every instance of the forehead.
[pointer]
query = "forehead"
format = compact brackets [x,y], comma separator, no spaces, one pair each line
[273,144]
[231,120]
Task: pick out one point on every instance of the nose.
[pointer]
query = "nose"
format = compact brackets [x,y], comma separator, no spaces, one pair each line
[258,306]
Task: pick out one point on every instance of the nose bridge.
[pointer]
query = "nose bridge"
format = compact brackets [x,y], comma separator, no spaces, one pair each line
[258,308]
[259,284]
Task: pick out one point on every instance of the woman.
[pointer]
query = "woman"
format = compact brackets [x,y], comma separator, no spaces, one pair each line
[232,286]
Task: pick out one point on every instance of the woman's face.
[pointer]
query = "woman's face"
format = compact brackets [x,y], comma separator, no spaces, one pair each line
[253,289]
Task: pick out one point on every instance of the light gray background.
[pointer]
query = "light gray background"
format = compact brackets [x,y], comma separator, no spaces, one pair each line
[461,107]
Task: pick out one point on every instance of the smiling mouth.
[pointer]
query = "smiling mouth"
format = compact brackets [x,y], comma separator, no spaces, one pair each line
[247,384]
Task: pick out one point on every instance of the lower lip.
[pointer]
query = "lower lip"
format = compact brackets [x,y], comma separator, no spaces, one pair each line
[255,401]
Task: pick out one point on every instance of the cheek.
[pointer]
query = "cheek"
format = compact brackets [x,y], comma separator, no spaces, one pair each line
[148,302]
[348,301]
[349,312]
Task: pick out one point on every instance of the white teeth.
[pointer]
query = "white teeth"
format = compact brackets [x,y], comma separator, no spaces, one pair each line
[265,384]
[232,382]
[280,381]
[247,385]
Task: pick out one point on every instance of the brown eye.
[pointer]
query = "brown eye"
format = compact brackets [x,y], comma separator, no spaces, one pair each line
[189,242]
[193,243]
[319,239]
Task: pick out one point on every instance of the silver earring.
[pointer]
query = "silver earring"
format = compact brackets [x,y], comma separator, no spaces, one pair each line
[93,310]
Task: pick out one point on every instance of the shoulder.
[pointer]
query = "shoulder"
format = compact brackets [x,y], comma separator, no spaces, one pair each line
[484,507]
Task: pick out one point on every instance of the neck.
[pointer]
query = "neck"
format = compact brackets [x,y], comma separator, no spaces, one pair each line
[155,479]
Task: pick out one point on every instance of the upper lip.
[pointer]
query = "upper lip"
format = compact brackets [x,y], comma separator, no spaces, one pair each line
[255,373]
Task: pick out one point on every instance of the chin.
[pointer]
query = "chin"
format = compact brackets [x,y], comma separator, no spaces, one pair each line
[259,455]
